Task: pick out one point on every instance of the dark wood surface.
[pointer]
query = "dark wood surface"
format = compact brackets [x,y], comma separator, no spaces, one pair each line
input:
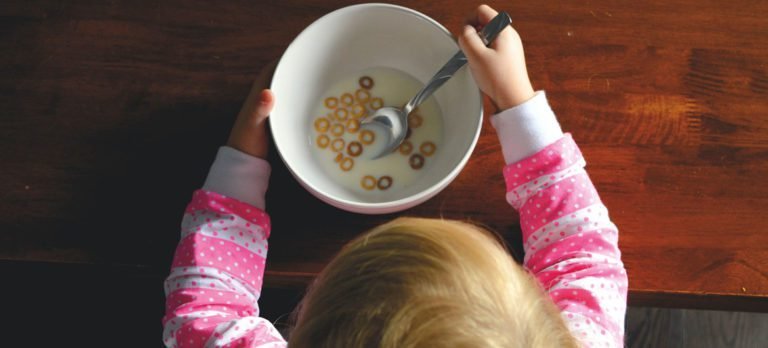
[111,113]
[685,328]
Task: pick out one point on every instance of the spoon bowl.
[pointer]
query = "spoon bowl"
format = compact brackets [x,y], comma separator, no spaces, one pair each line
[394,123]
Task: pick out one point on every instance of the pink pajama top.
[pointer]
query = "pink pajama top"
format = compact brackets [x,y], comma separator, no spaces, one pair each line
[571,245]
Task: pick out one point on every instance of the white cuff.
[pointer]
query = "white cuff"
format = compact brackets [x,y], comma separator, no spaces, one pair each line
[239,176]
[527,128]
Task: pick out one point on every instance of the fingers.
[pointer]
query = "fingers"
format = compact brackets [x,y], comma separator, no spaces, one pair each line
[481,16]
[249,133]
[485,13]
[471,44]
[253,110]
[258,107]
[265,105]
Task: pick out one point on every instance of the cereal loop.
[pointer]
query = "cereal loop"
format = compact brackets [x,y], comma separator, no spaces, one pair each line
[338,158]
[385,182]
[415,120]
[377,103]
[337,145]
[354,149]
[331,102]
[427,148]
[337,129]
[416,161]
[341,114]
[406,147]
[358,111]
[347,164]
[366,82]
[362,95]
[347,99]
[353,126]
[323,141]
[366,137]
[322,124]
[368,183]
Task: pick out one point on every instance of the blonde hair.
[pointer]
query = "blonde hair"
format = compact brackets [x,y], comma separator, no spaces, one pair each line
[426,283]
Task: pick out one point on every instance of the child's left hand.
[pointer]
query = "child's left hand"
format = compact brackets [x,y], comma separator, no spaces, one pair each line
[249,134]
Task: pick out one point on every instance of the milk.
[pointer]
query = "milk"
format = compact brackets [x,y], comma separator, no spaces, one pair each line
[395,88]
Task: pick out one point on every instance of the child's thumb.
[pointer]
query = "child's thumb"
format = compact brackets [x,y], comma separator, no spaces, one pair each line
[266,103]
[470,43]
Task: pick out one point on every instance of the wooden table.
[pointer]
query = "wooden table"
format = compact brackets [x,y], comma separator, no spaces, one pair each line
[111,113]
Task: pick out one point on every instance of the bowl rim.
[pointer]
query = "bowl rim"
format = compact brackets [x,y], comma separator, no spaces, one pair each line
[389,206]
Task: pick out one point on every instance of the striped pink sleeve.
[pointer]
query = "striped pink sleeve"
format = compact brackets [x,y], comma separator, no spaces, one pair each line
[216,277]
[571,245]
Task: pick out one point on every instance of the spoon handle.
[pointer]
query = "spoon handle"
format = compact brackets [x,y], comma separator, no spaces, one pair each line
[488,34]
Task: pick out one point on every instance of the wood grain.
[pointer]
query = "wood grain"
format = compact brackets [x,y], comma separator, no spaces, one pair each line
[661,327]
[111,113]
[724,329]
[654,327]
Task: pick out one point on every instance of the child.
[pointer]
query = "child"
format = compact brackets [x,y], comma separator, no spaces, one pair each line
[414,282]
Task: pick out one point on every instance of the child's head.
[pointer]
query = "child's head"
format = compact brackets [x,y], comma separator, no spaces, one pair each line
[427,283]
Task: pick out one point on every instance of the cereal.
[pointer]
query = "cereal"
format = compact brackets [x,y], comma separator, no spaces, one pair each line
[353,125]
[384,183]
[322,124]
[341,114]
[406,147]
[354,149]
[368,183]
[358,111]
[347,164]
[323,141]
[343,143]
[331,102]
[362,95]
[377,103]
[347,99]
[366,137]
[366,82]
[337,129]
[337,145]
[415,120]
[416,161]
[427,148]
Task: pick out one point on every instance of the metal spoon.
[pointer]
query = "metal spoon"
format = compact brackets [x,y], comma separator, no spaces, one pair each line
[395,120]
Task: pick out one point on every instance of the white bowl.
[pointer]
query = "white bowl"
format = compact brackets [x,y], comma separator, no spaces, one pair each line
[353,39]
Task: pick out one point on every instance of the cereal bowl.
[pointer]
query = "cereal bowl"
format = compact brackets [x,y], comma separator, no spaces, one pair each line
[330,57]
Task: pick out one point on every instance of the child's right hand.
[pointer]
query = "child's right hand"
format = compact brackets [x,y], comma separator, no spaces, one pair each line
[499,70]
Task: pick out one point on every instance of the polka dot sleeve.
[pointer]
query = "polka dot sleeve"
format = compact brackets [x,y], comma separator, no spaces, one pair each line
[571,245]
[216,277]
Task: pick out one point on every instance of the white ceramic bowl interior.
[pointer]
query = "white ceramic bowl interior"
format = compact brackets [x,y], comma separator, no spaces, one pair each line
[348,41]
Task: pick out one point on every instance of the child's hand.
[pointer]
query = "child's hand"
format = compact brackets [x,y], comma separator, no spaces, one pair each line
[499,70]
[249,134]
